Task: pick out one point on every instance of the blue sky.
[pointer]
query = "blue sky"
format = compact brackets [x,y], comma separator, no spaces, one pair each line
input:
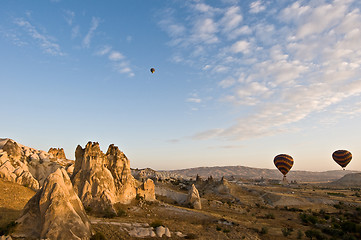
[236,82]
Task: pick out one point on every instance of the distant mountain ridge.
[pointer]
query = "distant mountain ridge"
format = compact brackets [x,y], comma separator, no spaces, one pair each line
[256,173]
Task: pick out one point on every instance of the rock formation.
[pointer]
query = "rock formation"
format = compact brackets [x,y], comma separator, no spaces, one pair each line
[101,180]
[146,190]
[27,166]
[57,153]
[13,150]
[223,187]
[193,199]
[55,212]
[16,171]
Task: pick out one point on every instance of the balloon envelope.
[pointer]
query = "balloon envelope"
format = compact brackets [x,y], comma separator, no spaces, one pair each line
[284,163]
[152,70]
[342,157]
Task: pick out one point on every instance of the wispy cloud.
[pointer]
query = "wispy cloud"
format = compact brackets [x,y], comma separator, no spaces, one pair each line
[104,50]
[69,17]
[256,7]
[194,100]
[94,25]
[118,60]
[115,56]
[46,42]
[283,68]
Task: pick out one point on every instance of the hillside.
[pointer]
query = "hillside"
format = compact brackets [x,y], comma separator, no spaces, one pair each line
[349,180]
[256,173]
[13,198]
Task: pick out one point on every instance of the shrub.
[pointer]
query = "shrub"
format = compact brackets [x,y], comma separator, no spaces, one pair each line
[88,209]
[314,234]
[333,231]
[348,226]
[336,194]
[138,197]
[156,224]
[191,236]
[120,212]
[263,231]
[98,236]
[109,213]
[287,231]
[218,228]
[226,230]
[308,218]
[8,229]
[340,205]
[269,216]
[299,234]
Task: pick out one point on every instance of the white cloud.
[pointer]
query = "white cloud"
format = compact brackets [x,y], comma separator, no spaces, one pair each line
[201,7]
[256,7]
[283,67]
[118,60]
[75,31]
[46,42]
[244,30]
[231,19]
[94,25]
[240,46]
[104,50]
[115,56]
[204,31]
[69,16]
[226,83]
[123,67]
[304,67]
[13,37]
[294,12]
[194,100]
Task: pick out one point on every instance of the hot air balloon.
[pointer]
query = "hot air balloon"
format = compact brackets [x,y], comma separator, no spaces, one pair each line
[284,163]
[152,70]
[342,157]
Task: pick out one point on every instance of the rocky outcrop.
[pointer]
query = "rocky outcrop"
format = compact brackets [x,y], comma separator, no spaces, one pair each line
[57,153]
[55,212]
[101,180]
[19,173]
[28,166]
[147,190]
[193,199]
[223,187]
[12,149]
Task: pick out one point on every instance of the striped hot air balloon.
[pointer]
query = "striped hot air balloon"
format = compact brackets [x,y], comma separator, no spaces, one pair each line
[284,163]
[342,157]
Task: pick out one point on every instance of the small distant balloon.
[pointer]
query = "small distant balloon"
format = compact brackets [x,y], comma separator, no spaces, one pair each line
[284,163]
[152,70]
[342,157]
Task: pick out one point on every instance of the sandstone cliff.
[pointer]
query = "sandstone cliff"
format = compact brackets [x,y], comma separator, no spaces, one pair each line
[57,153]
[55,212]
[28,166]
[193,199]
[101,180]
[147,190]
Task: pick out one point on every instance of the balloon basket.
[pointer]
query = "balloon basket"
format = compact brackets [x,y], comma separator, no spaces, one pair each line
[284,181]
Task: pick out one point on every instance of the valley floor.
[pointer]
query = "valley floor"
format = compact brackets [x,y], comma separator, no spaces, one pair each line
[233,210]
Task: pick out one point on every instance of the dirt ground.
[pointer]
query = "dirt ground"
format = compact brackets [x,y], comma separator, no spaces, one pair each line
[239,213]
[232,211]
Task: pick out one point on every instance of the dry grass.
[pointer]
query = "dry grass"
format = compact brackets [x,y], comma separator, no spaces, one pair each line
[13,198]
[239,214]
